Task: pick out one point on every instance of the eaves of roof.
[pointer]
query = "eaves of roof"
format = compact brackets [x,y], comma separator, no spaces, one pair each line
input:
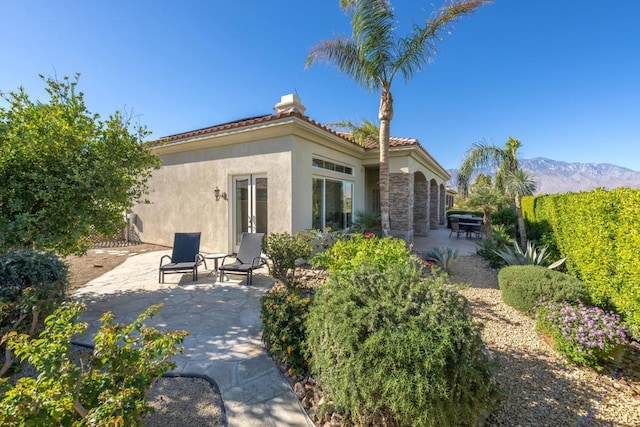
[394,142]
[238,124]
[400,143]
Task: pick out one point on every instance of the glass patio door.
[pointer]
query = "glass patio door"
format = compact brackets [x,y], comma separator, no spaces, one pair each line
[249,206]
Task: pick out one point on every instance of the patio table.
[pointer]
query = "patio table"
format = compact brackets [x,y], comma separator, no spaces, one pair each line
[215,256]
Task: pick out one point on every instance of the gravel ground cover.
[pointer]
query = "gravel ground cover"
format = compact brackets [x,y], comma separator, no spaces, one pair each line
[537,387]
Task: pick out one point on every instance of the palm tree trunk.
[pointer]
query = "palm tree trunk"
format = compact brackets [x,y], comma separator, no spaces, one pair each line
[486,220]
[385,115]
[521,227]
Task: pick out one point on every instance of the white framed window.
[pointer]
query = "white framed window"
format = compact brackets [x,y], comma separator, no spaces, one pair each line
[331,166]
[332,204]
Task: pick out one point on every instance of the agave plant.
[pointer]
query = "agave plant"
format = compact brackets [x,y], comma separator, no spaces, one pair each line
[532,256]
[367,221]
[445,257]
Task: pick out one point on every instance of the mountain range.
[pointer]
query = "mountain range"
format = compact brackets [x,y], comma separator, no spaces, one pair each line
[561,177]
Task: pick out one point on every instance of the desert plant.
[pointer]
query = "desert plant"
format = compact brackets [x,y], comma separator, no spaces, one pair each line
[444,257]
[498,239]
[284,250]
[390,348]
[367,221]
[585,335]
[502,234]
[523,286]
[105,387]
[532,255]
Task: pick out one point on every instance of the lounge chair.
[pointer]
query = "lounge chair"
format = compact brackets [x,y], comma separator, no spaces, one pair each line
[184,258]
[249,257]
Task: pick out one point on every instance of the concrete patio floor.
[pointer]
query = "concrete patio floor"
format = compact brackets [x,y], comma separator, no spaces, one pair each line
[225,330]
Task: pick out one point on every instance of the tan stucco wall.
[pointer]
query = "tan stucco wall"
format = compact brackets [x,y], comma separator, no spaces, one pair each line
[182,191]
[182,197]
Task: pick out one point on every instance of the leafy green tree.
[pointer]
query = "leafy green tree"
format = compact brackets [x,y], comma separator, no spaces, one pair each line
[375,55]
[65,171]
[488,199]
[482,180]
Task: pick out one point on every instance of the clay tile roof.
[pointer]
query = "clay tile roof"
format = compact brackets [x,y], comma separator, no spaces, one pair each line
[394,141]
[397,142]
[239,124]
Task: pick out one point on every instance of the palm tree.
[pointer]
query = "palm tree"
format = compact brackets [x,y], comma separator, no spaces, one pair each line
[487,198]
[484,155]
[520,183]
[374,56]
[361,133]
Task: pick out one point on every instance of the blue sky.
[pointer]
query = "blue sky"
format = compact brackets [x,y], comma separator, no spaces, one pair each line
[561,76]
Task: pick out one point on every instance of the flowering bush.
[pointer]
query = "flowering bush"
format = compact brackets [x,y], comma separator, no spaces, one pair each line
[427,267]
[585,335]
[284,314]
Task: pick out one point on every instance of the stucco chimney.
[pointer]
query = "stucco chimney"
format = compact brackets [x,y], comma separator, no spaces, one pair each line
[290,102]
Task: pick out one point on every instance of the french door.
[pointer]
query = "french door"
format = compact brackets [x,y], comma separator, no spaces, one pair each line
[249,206]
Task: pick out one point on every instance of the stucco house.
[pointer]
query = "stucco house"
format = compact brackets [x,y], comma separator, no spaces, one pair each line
[282,172]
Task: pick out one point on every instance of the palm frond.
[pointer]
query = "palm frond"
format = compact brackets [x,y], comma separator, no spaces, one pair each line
[417,50]
[520,182]
[345,55]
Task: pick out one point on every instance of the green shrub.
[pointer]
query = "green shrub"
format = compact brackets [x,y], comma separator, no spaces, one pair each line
[32,285]
[367,221]
[346,256]
[499,238]
[284,250]
[487,250]
[523,286]
[585,335]
[389,348]
[106,387]
[284,315]
[506,217]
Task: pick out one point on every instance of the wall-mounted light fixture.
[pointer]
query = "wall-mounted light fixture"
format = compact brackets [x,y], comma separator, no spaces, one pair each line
[219,195]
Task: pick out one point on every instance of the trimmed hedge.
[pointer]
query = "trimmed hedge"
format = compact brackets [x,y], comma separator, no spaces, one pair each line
[599,233]
[523,286]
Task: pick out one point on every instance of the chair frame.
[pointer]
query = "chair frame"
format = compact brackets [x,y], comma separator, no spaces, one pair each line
[244,266]
[179,263]
[457,230]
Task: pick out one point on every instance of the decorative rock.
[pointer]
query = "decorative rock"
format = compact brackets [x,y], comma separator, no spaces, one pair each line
[299,390]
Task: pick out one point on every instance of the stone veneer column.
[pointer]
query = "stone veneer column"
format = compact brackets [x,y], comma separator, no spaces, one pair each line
[401,204]
[443,204]
[421,206]
[433,204]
